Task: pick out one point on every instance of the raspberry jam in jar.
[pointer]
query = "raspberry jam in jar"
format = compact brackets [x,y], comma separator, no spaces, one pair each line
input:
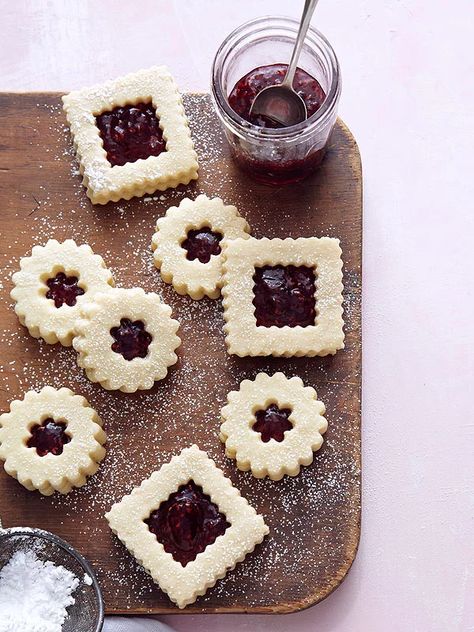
[252,58]
[246,89]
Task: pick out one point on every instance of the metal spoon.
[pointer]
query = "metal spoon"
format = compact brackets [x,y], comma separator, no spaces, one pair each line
[280,103]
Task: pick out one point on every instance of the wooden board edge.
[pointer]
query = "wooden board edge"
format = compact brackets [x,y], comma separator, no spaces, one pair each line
[317,597]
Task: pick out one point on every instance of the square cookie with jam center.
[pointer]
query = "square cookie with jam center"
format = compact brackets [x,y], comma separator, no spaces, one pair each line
[283,297]
[131,136]
[187,525]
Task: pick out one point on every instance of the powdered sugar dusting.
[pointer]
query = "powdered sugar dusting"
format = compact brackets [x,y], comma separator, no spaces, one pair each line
[34,595]
[312,517]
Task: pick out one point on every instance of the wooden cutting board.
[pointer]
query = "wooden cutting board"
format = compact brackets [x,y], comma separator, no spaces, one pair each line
[314,518]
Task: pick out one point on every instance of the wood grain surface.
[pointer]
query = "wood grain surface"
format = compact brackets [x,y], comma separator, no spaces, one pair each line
[314,518]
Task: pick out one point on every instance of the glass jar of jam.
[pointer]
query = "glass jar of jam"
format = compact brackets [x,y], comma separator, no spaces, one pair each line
[250,58]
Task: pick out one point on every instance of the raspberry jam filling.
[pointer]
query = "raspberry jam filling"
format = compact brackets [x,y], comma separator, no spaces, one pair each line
[49,437]
[202,244]
[63,289]
[130,133]
[284,295]
[187,523]
[131,339]
[272,423]
[270,160]
[246,89]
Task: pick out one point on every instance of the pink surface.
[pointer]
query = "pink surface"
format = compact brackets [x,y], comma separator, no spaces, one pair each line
[407,96]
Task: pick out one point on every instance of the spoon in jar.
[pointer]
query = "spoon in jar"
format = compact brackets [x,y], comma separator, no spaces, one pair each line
[281,104]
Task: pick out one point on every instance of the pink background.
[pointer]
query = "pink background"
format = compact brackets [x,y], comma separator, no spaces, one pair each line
[408,97]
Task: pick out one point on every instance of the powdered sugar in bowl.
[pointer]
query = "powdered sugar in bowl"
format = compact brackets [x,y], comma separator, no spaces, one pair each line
[34,566]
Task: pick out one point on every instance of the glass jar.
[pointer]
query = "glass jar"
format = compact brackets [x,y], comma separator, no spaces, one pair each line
[284,155]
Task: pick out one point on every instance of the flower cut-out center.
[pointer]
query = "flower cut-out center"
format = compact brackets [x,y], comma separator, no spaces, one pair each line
[202,244]
[49,437]
[63,289]
[131,339]
[272,423]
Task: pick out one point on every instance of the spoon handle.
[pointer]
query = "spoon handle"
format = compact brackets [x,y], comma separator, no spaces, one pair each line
[309,7]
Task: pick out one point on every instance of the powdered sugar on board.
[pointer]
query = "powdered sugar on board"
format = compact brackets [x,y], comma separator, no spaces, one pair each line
[313,517]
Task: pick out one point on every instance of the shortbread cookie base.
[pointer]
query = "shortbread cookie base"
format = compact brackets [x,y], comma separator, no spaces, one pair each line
[104,183]
[80,457]
[243,337]
[39,314]
[273,459]
[93,340]
[184,584]
[193,277]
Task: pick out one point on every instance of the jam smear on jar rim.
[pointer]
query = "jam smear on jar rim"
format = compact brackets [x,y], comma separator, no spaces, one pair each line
[131,339]
[272,423]
[201,244]
[130,133]
[49,437]
[284,296]
[187,523]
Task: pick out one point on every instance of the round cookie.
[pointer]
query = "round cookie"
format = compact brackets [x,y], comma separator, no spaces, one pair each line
[187,244]
[126,339]
[51,440]
[272,425]
[53,283]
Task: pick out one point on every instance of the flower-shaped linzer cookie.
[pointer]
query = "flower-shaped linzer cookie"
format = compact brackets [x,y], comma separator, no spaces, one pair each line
[126,339]
[187,525]
[187,244]
[131,136]
[52,284]
[273,425]
[51,440]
